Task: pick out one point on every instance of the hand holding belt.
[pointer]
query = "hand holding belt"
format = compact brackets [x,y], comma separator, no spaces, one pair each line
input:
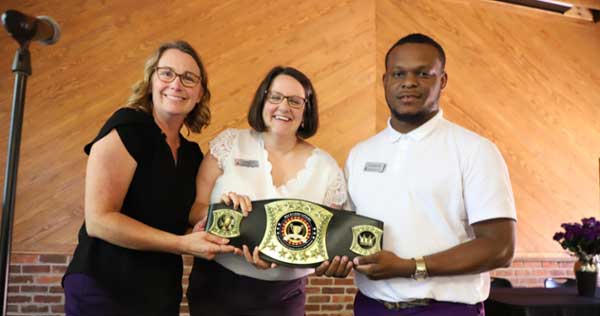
[297,233]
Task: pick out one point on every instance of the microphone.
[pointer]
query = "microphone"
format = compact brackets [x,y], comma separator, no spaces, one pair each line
[26,28]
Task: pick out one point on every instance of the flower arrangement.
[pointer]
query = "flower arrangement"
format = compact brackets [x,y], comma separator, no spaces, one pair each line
[581,239]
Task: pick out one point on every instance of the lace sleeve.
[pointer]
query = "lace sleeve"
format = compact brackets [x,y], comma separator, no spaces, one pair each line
[336,190]
[220,146]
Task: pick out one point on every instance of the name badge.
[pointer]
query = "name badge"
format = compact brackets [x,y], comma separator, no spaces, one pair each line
[374,167]
[246,163]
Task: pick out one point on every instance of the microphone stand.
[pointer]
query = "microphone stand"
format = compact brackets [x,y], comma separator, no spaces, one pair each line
[21,67]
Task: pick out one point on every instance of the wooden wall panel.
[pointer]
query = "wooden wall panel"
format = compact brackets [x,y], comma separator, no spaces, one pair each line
[528,81]
[81,80]
[525,79]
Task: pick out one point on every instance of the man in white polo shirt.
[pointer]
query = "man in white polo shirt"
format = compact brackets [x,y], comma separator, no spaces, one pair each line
[442,191]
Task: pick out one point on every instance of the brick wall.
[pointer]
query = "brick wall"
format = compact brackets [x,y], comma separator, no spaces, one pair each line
[532,272]
[34,284]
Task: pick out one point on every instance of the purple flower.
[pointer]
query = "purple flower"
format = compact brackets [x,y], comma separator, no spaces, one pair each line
[588,221]
[558,236]
[582,239]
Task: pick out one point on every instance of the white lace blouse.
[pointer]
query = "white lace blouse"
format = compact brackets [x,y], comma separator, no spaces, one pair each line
[242,157]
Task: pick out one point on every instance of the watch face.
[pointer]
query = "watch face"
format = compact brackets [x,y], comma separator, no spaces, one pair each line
[420,275]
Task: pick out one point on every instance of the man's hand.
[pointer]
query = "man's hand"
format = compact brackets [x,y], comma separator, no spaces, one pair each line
[338,268]
[384,265]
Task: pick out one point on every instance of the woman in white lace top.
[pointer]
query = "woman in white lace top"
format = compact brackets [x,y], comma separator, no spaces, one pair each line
[271,160]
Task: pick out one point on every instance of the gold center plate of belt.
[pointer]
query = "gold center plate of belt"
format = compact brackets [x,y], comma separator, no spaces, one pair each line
[296,232]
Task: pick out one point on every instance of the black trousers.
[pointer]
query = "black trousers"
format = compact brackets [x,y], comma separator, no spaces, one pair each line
[216,291]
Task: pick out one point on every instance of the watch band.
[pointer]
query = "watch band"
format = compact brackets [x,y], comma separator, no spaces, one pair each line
[420,269]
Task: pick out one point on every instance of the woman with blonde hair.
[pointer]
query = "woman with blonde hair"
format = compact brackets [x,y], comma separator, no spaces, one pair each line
[139,187]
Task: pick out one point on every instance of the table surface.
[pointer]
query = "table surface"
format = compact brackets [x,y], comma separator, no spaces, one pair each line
[542,297]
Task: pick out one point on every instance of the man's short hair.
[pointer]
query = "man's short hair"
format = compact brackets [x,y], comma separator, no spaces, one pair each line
[418,38]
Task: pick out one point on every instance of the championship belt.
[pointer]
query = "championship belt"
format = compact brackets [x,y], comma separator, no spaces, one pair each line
[297,233]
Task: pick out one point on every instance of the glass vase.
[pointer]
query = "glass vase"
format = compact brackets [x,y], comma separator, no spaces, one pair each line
[586,274]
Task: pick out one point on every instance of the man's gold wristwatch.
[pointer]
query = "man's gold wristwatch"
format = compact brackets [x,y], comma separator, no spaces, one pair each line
[420,270]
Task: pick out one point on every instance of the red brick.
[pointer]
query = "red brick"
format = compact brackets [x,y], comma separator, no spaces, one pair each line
[53,258]
[566,265]
[20,279]
[48,279]
[12,308]
[17,258]
[351,290]
[18,299]
[36,269]
[523,273]
[59,269]
[320,281]
[558,272]
[312,307]
[184,309]
[335,307]
[58,308]
[34,289]
[333,290]
[530,282]
[318,299]
[56,289]
[34,309]
[313,289]
[188,260]
[13,289]
[344,282]
[549,264]
[342,299]
[502,273]
[14,269]
[47,299]
[526,264]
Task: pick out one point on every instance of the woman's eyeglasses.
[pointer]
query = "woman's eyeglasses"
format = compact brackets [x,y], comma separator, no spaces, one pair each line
[293,101]
[166,75]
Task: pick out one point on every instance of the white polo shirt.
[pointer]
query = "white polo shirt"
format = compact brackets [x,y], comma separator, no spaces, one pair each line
[428,186]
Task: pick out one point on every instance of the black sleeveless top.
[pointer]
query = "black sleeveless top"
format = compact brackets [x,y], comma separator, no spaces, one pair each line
[160,195]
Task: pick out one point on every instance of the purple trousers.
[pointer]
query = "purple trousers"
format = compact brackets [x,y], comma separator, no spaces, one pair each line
[366,306]
[216,291]
[84,297]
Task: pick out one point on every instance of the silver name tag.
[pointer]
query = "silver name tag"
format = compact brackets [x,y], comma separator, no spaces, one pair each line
[374,167]
[246,163]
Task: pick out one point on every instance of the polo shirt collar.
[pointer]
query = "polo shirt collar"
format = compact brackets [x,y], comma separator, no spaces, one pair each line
[416,134]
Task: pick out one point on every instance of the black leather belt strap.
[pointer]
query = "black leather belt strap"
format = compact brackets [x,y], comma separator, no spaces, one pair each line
[297,233]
